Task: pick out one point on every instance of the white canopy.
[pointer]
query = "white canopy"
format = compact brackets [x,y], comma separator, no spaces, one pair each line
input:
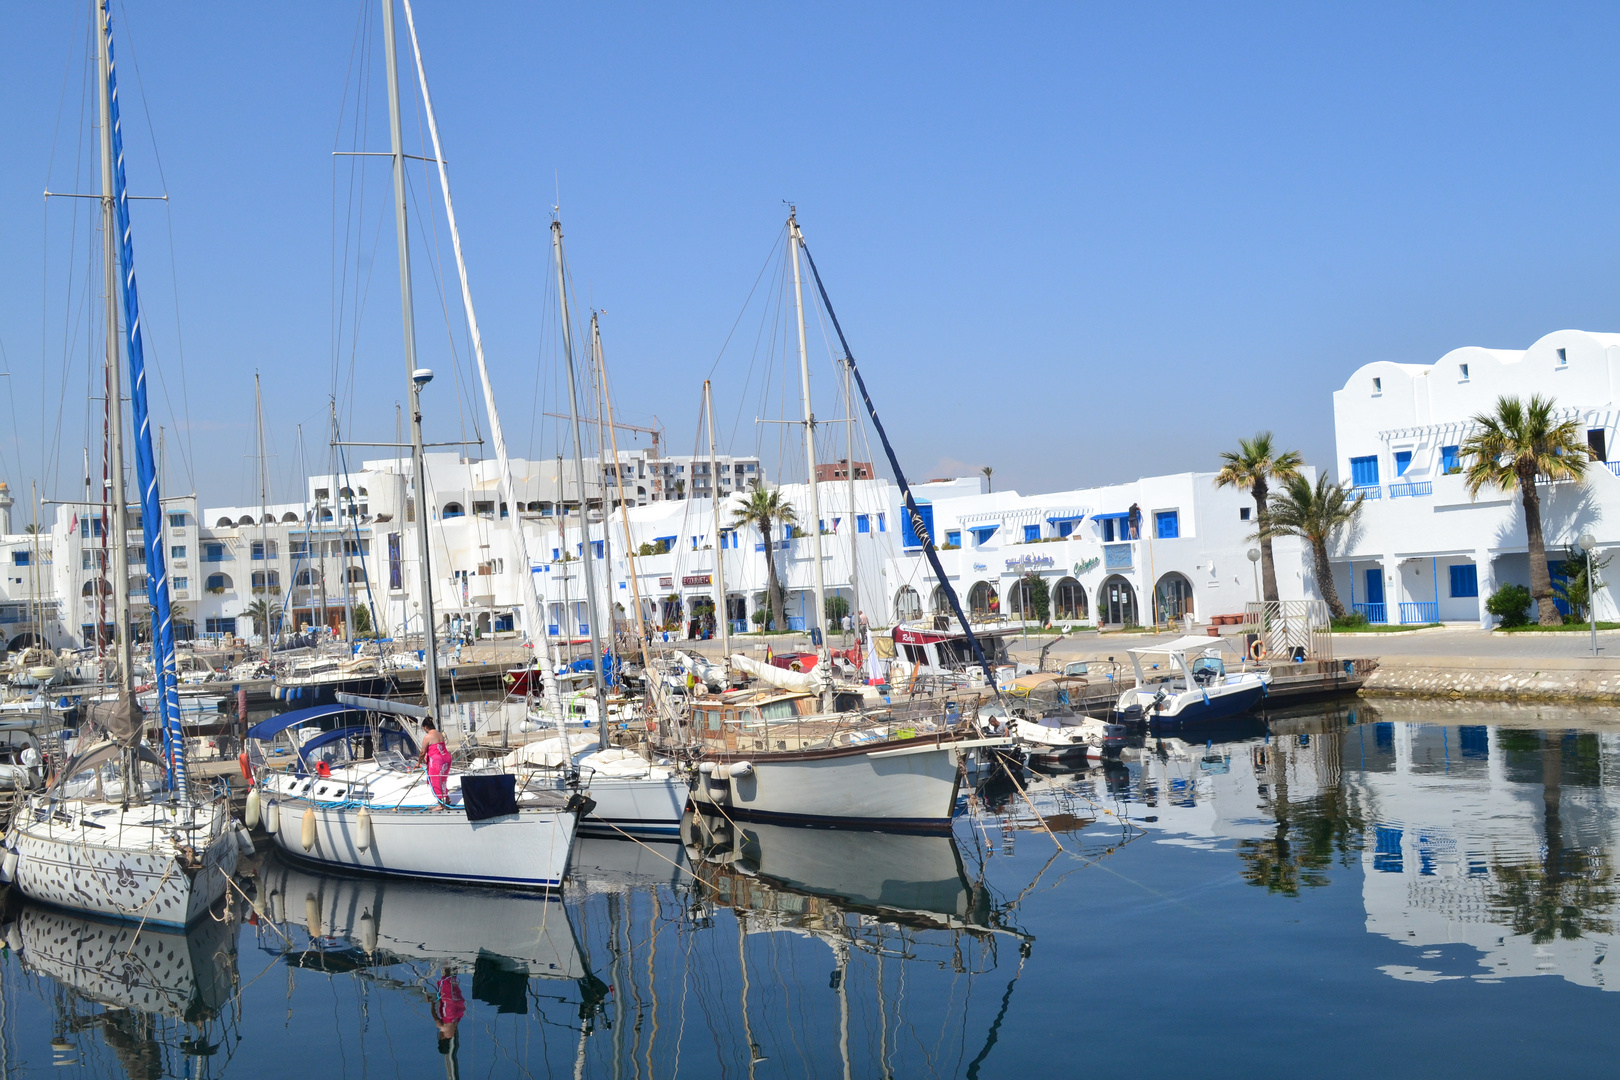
[1187,644]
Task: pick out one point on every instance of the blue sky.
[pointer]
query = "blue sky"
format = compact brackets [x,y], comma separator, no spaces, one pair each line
[1079,243]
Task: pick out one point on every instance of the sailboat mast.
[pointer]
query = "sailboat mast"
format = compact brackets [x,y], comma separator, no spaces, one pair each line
[533,616]
[117,567]
[264,499]
[795,241]
[584,508]
[719,548]
[849,514]
[654,687]
[430,648]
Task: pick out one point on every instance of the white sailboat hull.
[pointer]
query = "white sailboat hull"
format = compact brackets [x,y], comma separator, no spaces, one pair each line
[125,869]
[910,787]
[528,849]
[641,806]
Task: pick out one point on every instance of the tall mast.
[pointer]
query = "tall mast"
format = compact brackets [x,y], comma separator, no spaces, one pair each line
[795,241]
[654,686]
[264,499]
[430,648]
[533,617]
[598,379]
[849,514]
[584,508]
[118,563]
[719,548]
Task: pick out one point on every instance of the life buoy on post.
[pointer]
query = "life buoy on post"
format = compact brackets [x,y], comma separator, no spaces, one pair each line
[1257,649]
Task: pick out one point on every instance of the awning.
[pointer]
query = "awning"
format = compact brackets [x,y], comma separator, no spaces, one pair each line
[269,729]
[1117,517]
[1059,518]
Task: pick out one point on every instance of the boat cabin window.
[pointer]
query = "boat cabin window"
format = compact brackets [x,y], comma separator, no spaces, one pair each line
[846,702]
[778,710]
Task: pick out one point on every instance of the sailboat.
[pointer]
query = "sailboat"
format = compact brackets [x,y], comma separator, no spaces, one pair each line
[809,753]
[364,804]
[163,860]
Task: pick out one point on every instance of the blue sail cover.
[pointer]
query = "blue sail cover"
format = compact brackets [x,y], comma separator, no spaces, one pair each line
[157,578]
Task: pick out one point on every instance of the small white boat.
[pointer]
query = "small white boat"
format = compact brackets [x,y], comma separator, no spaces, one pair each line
[1190,680]
[632,795]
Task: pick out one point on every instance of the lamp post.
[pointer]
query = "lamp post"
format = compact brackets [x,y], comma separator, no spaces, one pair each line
[1254,564]
[1587,542]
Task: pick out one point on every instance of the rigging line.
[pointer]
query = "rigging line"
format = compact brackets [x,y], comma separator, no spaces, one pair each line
[341,285]
[766,265]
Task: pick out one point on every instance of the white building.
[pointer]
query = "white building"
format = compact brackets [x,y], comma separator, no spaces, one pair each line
[1423,550]
[1102,552]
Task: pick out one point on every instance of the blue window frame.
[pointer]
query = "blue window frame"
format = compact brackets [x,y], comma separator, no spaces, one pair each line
[863,523]
[1108,530]
[910,537]
[954,536]
[177,521]
[1364,471]
[982,535]
[1465,580]
[1168,523]
[1065,528]
[596,549]
[1449,459]
[1032,533]
[19,558]
[1403,461]
[883,519]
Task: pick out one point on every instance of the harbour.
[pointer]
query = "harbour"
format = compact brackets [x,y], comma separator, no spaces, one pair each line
[568,637]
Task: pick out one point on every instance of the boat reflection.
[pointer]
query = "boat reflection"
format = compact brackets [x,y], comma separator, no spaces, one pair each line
[155,997]
[351,923]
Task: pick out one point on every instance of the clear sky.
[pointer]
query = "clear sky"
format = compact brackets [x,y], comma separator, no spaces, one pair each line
[1076,242]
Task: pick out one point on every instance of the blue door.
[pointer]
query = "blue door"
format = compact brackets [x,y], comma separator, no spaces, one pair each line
[1375,586]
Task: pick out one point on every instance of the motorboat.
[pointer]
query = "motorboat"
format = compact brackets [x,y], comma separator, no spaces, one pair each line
[1191,680]
[1043,717]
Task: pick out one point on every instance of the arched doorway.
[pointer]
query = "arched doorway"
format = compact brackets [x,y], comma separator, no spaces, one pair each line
[1173,597]
[983,600]
[907,604]
[940,603]
[1068,600]
[1021,600]
[1116,602]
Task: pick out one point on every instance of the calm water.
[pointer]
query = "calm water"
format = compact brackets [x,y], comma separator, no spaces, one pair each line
[1400,889]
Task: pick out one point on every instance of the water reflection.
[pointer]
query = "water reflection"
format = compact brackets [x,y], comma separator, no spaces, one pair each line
[159,1002]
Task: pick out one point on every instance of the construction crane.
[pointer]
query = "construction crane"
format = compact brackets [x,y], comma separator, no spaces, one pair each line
[655,433]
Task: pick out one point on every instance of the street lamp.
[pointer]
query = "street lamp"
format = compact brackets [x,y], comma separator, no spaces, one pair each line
[1586,541]
[1254,564]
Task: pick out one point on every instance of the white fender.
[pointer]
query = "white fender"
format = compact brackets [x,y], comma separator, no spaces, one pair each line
[250,813]
[368,932]
[706,768]
[363,827]
[307,835]
[740,768]
[272,817]
[244,842]
[278,905]
[312,915]
[10,866]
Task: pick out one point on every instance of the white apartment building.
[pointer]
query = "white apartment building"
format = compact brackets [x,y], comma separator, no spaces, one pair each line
[1423,550]
[1102,551]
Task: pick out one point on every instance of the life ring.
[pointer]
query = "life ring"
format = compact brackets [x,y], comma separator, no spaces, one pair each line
[1257,649]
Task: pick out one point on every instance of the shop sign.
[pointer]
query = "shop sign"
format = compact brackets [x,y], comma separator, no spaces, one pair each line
[697,579]
[666,583]
[1031,562]
[980,566]
[1086,567]
[1117,556]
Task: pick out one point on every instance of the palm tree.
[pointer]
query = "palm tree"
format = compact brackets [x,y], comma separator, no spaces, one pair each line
[1313,514]
[263,616]
[988,473]
[765,509]
[1510,449]
[1253,465]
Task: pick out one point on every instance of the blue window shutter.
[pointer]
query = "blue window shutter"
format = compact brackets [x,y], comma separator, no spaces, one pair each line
[1465,580]
[1031,533]
[1169,524]
[911,539]
[863,523]
[954,536]
[883,522]
[1364,471]
[1449,458]
[1403,461]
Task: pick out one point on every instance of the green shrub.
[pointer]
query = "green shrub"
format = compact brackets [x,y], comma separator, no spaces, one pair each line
[1350,620]
[1512,603]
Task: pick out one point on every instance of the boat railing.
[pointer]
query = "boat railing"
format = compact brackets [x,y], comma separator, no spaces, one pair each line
[933,717]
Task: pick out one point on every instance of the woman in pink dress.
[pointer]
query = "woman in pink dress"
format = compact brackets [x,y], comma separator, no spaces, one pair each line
[436,756]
